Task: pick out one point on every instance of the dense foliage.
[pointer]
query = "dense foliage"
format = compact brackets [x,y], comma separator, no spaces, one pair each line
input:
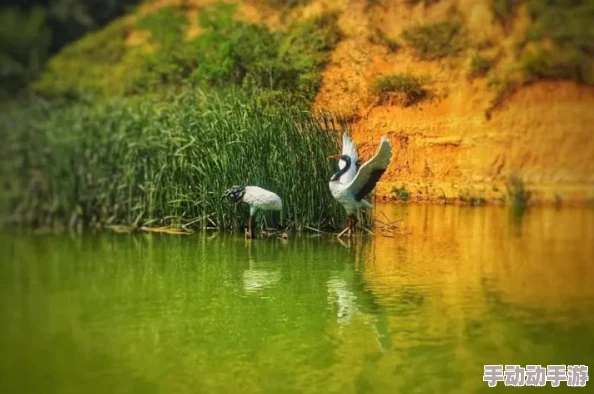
[128,137]
[558,44]
[410,86]
[229,53]
[435,40]
[33,30]
[137,161]
[563,34]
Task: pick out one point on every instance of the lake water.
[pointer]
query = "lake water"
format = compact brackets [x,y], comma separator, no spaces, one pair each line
[421,312]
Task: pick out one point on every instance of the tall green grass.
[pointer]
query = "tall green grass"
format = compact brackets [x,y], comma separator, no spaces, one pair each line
[165,162]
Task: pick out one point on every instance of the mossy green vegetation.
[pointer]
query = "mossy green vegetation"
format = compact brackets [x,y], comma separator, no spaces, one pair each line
[24,47]
[409,85]
[166,26]
[541,63]
[425,3]
[562,37]
[472,200]
[504,10]
[229,53]
[401,193]
[380,38]
[92,64]
[479,66]
[284,4]
[558,45]
[566,23]
[436,40]
[503,84]
[517,192]
[142,161]
[32,31]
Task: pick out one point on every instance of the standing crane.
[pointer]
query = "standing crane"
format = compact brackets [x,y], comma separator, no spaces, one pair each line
[257,198]
[349,185]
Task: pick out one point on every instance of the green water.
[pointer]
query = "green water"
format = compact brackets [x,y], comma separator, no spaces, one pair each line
[419,312]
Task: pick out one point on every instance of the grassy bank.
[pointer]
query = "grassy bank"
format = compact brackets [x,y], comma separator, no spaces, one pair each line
[273,65]
[144,124]
[163,162]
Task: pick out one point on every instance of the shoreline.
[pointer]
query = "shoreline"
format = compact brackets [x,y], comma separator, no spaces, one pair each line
[484,193]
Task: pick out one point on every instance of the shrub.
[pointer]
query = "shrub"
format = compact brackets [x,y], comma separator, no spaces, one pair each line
[88,65]
[435,40]
[517,192]
[380,38]
[563,38]
[503,85]
[504,10]
[479,66]
[568,24]
[425,3]
[557,64]
[31,31]
[472,200]
[406,84]
[401,193]
[25,43]
[228,54]
[167,25]
[283,3]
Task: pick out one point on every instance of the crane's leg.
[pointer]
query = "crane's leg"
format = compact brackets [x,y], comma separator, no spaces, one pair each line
[350,228]
[250,228]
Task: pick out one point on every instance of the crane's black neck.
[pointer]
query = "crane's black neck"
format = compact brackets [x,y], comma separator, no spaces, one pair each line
[342,171]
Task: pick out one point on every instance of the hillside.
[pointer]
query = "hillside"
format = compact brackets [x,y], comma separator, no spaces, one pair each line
[482,100]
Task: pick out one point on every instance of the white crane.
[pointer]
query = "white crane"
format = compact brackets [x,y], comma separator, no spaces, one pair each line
[257,198]
[349,185]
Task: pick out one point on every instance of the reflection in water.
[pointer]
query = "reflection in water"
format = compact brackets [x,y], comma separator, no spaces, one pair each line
[260,274]
[421,312]
[258,279]
[346,300]
[347,292]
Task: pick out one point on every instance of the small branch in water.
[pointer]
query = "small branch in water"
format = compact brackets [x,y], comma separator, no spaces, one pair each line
[315,229]
[166,230]
[368,230]
[151,221]
[192,221]
[342,233]
[120,228]
[212,222]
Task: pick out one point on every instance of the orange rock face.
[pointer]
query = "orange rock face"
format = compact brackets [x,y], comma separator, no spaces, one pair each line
[448,148]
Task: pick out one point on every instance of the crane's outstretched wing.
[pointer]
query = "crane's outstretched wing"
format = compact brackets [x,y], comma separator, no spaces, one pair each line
[349,149]
[371,171]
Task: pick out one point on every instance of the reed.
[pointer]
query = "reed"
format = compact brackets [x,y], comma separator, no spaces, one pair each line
[156,163]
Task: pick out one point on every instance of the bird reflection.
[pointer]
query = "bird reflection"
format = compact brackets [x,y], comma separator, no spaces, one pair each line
[258,279]
[260,275]
[346,300]
[347,292]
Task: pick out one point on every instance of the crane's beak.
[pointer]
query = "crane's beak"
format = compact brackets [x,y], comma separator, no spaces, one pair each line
[337,156]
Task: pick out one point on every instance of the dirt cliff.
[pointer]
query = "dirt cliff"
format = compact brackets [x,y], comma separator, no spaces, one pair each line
[457,146]
[478,125]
